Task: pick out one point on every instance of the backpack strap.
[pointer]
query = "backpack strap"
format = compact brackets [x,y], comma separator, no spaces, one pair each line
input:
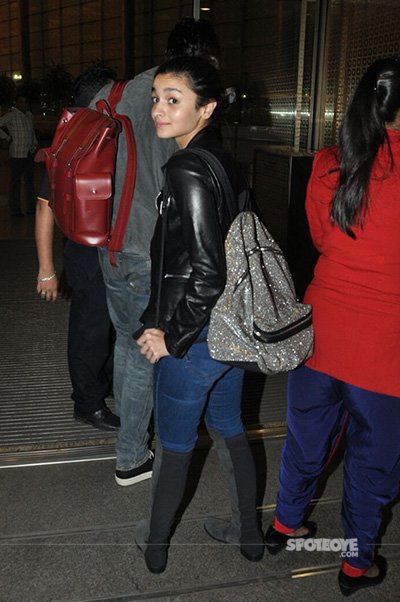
[125,203]
[220,177]
[115,94]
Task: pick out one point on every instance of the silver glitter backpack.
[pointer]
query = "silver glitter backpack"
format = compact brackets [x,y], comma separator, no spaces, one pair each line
[257,323]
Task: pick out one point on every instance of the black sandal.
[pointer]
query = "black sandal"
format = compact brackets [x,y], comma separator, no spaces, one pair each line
[275,541]
[349,585]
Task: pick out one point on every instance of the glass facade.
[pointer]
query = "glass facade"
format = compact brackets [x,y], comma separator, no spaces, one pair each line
[291,64]
[358,32]
[73,34]
[10,55]
[267,58]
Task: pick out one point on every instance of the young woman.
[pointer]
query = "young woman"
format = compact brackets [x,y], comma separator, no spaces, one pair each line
[353,207]
[193,272]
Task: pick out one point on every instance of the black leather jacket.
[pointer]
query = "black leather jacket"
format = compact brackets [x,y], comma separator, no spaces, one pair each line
[194,269]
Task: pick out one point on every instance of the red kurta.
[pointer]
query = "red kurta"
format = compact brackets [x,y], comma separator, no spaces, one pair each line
[355,292]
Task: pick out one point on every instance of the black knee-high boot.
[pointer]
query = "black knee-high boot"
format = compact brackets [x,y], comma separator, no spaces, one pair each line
[240,471]
[218,528]
[167,496]
[142,528]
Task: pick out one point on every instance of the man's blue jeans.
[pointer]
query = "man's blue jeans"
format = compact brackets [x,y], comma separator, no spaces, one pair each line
[184,387]
[128,289]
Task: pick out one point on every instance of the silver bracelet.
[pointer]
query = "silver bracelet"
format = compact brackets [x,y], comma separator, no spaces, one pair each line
[47,278]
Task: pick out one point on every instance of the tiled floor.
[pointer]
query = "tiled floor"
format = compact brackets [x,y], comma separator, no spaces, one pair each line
[67,535]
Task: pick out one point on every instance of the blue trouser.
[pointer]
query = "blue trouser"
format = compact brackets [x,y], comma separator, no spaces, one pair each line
[185,387]
[90,332]
[128,289]
[21,168]
[316,405]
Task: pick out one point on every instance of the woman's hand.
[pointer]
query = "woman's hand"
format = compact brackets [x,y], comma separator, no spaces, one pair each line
[47,289]
[152,344]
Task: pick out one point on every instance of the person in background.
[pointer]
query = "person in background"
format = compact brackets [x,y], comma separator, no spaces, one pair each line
[90,331]
[128,283]
[23,144]
[353,378]
[195,217]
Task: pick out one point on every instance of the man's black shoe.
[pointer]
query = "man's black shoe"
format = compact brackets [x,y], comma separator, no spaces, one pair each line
[103,419]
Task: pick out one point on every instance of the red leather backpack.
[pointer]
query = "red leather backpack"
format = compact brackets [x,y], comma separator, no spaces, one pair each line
[80,165]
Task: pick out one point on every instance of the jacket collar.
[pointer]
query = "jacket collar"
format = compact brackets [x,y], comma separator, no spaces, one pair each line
[208,136]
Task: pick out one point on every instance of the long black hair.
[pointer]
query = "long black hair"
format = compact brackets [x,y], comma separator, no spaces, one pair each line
[376,102]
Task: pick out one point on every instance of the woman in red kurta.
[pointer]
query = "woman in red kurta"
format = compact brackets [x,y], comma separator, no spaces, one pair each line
[355,292]
[353,378]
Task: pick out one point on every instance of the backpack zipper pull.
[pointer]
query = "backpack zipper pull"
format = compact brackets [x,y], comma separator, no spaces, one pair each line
[165,204]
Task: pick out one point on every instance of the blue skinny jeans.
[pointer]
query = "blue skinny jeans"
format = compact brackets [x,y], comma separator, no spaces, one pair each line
[185,387]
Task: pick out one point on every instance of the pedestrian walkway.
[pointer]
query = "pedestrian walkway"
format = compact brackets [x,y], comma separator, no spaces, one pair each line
[67,535]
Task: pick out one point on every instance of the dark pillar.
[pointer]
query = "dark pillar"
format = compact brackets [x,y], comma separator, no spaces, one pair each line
[23,7]
[280,182]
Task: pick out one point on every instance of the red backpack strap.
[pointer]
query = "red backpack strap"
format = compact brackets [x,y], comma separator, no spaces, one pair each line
[125,203]
[115,94]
